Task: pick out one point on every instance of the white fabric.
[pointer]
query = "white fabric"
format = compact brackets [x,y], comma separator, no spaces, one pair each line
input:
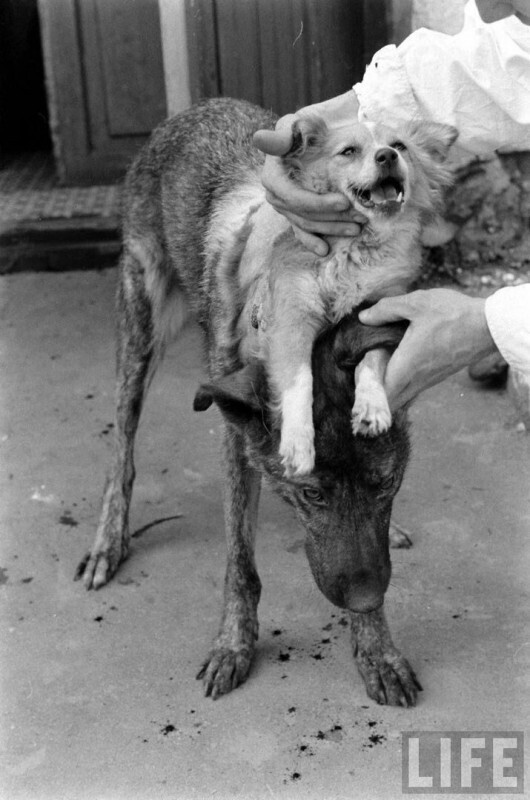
[477,80]
[508,318]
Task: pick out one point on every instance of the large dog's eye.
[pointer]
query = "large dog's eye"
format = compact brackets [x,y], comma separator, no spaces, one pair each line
[398,145]
[349,151]
[314,495]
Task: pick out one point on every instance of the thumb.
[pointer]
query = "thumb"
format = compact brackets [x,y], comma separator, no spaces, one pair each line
[389,309]
[274,143]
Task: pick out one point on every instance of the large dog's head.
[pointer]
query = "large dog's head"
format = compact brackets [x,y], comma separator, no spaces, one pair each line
[345,504]
[381,170]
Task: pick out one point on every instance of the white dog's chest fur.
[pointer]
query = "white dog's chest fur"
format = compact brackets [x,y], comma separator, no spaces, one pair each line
[355,272]
[244,229]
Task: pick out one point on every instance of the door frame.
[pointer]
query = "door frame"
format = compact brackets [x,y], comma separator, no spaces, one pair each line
[377,30]
[78,159]
[175,54]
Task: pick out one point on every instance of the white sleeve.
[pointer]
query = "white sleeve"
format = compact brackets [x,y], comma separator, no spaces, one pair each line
[477,80]
[508,318]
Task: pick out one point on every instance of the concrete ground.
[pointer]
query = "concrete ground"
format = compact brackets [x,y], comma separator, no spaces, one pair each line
[99,697]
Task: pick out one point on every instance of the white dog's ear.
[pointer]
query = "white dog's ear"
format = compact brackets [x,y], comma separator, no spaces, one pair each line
[309,133]
[433,138]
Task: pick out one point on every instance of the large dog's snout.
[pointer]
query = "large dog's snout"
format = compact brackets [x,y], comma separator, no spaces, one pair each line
[385,157]
[365,593]
[361,591]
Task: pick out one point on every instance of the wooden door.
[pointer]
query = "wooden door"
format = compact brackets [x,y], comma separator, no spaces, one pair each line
[105,80]
[282,54]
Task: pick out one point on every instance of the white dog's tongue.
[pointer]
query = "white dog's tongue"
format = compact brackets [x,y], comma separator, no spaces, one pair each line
[384,193]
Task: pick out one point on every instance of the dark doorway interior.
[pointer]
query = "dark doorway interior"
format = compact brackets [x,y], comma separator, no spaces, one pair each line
[24,123]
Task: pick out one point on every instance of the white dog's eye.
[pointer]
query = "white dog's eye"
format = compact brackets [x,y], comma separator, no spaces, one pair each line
[348,151]
[398,145]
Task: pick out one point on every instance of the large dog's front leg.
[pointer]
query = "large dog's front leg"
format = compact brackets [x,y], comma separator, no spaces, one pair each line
[228,663]
[388,676]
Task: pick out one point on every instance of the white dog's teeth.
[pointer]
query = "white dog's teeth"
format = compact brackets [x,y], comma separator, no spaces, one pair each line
[399,198]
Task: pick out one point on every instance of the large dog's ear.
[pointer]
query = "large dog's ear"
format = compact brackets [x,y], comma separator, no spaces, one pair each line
[433,138]
[237,395]
[309,133]
[353,340]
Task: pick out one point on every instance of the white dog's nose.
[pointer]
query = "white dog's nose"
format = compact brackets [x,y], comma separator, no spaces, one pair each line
[386,156]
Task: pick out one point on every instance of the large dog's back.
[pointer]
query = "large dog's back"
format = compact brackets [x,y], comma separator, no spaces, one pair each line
[191,162]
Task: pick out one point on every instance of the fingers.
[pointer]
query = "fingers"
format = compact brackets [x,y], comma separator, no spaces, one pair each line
[279,141]
[273,143]
[389,309]
[405,383]
[409,371]
[285,194]
[400,389]
[319,207]
[311,242]
[324,227]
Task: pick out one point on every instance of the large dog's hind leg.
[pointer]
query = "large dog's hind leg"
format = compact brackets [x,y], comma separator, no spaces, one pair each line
[387,675]
[228,663]
[135,352]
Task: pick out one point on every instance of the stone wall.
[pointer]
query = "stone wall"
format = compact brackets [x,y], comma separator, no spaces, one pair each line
[490,204]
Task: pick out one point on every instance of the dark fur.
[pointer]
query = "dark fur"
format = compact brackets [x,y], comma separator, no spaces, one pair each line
[191,162]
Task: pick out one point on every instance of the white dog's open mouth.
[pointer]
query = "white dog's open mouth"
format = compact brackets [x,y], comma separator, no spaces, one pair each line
[387,194]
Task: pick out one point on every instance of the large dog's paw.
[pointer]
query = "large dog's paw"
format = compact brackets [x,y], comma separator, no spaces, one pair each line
[297,450]
[388,677]
[102,562]
[370,414]
[400,538]
[224,670]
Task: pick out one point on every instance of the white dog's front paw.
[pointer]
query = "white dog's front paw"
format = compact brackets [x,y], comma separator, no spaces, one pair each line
[297,450]
[370,415]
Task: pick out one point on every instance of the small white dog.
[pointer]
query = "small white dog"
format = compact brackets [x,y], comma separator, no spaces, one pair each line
[397,181]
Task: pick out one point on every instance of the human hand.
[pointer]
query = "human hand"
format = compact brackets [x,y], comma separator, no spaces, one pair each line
[312,215]
[447,331]
[494,10]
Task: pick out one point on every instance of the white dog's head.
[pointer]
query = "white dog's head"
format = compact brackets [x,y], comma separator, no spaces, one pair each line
[382,171]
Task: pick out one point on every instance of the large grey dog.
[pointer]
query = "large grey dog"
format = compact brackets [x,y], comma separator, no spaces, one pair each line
[190,200]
